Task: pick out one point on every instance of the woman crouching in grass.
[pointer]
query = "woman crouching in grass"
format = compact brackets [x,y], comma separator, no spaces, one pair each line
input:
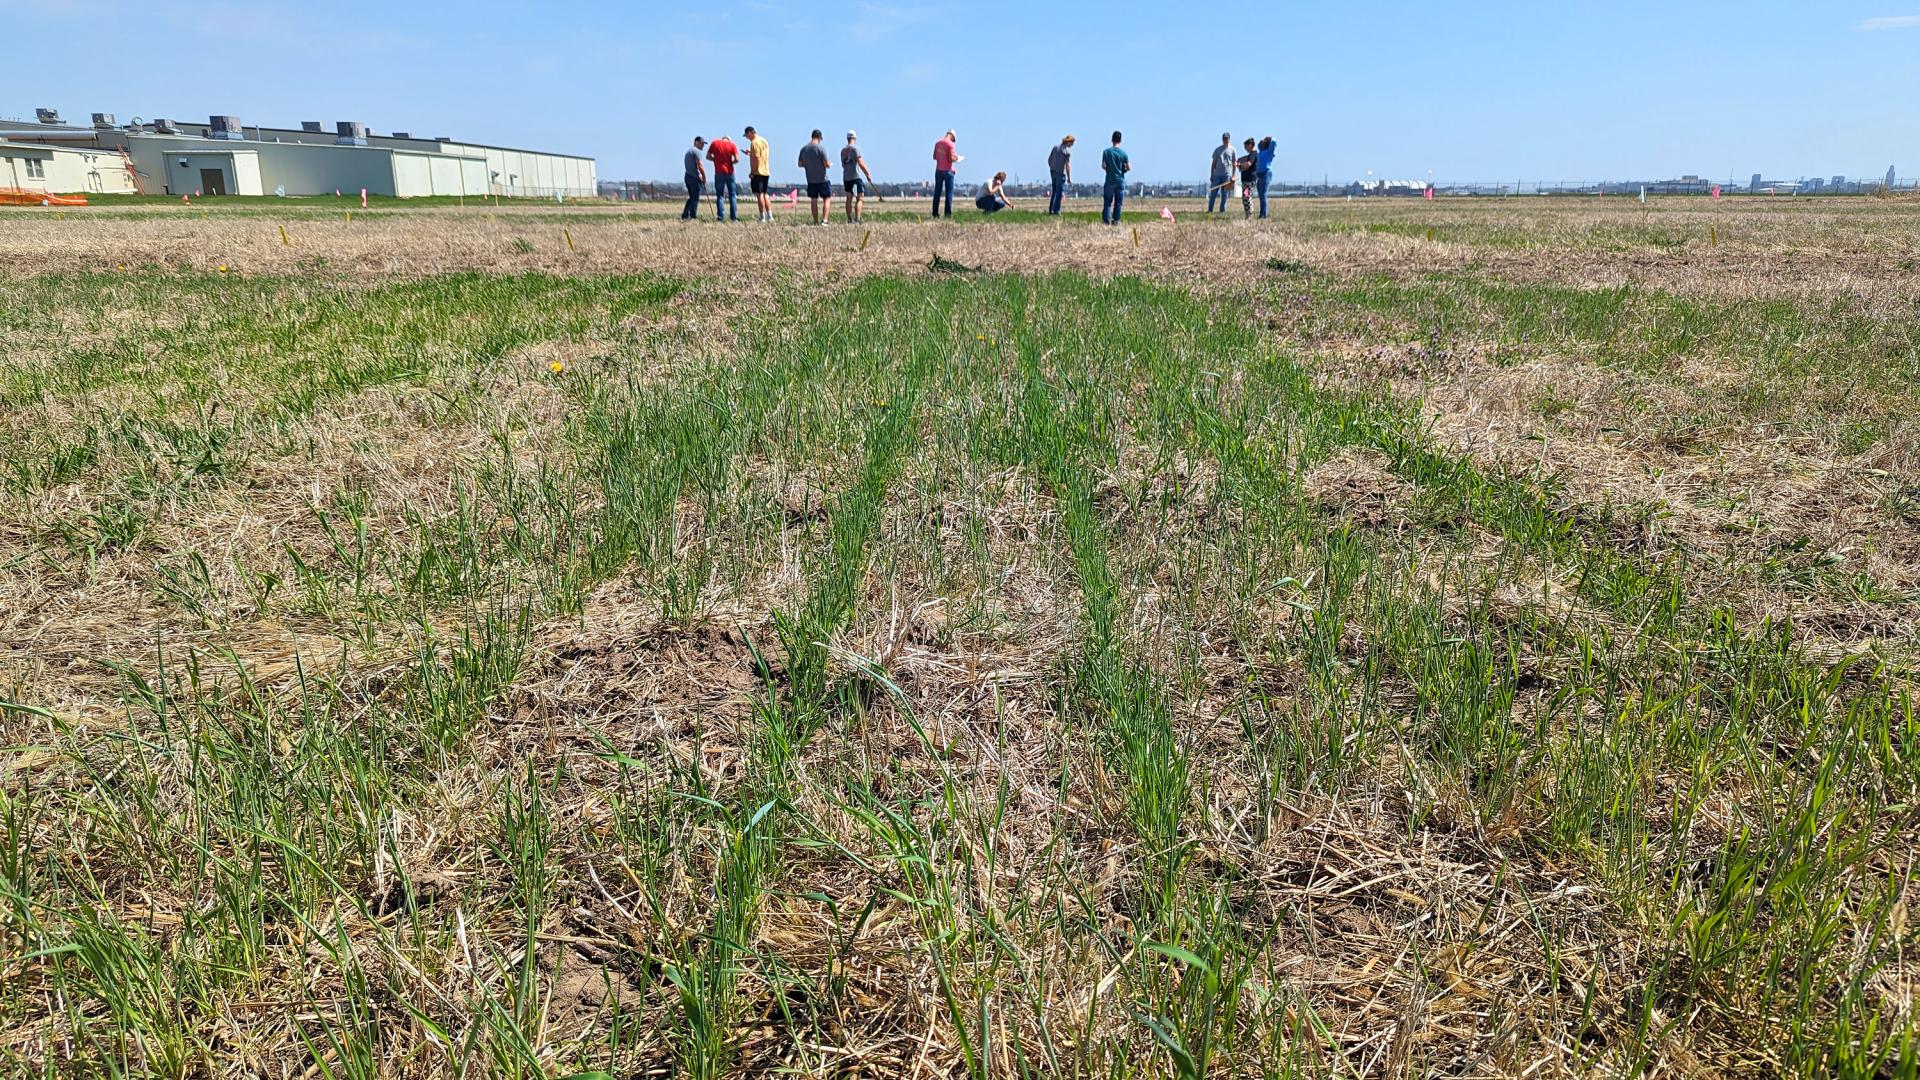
[994,199]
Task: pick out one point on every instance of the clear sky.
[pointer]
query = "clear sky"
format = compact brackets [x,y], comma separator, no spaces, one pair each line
[1487,90]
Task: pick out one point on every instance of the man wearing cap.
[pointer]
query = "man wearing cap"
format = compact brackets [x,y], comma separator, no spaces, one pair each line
[1220,173]
[853,165]
[1060,168]
[696,179]
[944,159]
[760,172]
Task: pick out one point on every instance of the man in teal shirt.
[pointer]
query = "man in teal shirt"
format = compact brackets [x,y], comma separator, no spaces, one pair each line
[1114,161]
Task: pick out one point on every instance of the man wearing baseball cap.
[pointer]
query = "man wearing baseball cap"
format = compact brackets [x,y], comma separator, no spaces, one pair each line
[853,164]
[944,159]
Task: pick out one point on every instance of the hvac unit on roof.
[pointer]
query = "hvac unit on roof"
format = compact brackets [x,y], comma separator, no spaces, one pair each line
[350,133]
[103,121]
[47,116]
[224,127]
[401,135]
[166,127]
[311,127]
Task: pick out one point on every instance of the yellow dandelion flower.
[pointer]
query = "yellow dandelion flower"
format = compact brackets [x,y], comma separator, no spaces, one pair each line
[223,268]
[979,337]
[557,367]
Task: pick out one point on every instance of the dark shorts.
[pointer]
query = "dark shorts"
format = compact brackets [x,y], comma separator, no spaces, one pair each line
[820,189]
[758,185]
[855,186]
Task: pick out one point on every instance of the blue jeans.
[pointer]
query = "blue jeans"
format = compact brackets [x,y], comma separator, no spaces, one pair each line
[692,209]
[1059,192]
[1261,182]
[1220,187]
[1111,197]
[726,197]
[943,181]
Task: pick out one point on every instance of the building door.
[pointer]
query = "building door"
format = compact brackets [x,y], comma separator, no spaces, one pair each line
[213,181]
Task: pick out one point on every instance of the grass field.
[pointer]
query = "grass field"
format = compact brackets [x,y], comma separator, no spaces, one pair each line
[1473,638]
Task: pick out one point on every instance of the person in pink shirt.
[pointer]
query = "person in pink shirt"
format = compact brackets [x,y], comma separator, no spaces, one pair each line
[944,159]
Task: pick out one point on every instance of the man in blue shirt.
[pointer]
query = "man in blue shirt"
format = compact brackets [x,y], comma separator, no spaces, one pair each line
[1263,170]
[1114,161]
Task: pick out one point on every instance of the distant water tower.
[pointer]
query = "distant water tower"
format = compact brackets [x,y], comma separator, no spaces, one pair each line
[1890,176]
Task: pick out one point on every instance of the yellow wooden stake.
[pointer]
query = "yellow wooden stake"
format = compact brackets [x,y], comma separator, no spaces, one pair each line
[346,216]
[568,233]
[1713,236]
[1136,236]
[1429,236]
[283,237]
[864,237]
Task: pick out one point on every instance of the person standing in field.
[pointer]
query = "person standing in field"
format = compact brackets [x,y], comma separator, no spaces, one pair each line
[760,172]
[994,198]
[1248,164]
[1263,170]
[726,201]
[813,162]
[1113,161]
[696,179]
[1220,174]
[944,159]
[853,165]
[1060,168]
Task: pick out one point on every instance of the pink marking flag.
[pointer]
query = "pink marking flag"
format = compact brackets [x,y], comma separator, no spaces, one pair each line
[793,196]
[1166,212]
[1716,191]
[196,193]
[185,200]
[1428,194]
[363,198]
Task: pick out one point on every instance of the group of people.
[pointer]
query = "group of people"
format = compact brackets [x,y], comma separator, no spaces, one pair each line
[724,155]
[1254,168]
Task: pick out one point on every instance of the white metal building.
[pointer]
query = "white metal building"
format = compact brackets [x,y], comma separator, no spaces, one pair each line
[226,157]
[58,170]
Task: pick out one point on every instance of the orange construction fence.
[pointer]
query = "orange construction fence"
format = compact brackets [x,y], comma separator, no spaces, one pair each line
[13,196]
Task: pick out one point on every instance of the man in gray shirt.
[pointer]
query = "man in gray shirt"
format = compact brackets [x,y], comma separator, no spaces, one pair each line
[1060,170]
[696,179]
[852,165]
[813,160]
[1220,174]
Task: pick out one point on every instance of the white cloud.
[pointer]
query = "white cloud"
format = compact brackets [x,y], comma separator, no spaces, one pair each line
[1889,22]
[877,21]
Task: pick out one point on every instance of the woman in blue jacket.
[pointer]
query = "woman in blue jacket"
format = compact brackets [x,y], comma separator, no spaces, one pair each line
[1263,170]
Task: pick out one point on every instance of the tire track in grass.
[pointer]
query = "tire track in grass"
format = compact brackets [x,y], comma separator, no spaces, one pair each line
[705,974]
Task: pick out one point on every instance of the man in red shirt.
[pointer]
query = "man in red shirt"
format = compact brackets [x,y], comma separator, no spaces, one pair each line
[944,159]
[726,200]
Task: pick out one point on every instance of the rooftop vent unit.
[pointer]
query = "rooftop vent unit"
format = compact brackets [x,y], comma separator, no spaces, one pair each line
[350,133]
[47,116]
[166,127]
[311,127]
[443,138]
[103,121]
[224,127]
[402,135]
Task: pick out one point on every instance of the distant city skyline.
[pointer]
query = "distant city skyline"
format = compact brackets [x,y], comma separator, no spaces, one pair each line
[1470,93]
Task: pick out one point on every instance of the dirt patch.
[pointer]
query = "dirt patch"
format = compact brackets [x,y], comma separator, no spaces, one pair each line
[1356,484]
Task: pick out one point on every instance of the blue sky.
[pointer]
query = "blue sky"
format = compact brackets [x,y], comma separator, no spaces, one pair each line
[1492,90]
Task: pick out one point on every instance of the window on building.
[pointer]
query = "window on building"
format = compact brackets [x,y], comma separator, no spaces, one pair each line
[36,169]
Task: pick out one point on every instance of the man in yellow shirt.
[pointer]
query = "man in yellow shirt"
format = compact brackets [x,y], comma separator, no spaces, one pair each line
[759,171]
